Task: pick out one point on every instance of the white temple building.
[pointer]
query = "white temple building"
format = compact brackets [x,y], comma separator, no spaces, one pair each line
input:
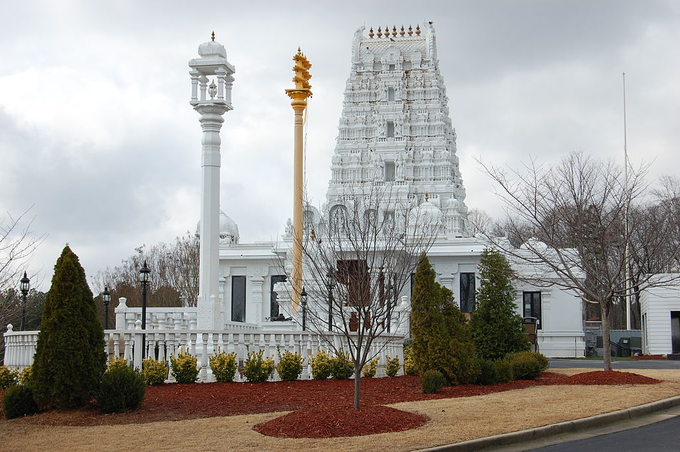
[395,133]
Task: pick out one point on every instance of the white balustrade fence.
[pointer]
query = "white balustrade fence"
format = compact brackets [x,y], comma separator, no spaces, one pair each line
[163,343]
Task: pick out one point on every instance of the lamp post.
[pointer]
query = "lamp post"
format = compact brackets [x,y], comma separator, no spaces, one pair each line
[144,279]
[303,301]
[24,286]
[106,298]
[331,285]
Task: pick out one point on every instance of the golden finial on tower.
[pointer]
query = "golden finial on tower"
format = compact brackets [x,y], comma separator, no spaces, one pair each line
[212,36]
[370,33]
[427,197]
[394,30]
[418,30]
[401,33]
[379,32]
[410,30]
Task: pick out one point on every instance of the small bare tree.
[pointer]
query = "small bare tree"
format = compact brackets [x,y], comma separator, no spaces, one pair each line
[356,266]
[17,244]
[174,274]
[577,230]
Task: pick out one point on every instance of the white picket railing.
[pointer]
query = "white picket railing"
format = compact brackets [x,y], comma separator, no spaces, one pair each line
[163,343]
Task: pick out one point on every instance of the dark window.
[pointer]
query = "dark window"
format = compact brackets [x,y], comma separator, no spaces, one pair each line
[389,171]
[238,298]
[273,303]
[467,292]
[390,129]
[390,94]
[355,275]
[532,306]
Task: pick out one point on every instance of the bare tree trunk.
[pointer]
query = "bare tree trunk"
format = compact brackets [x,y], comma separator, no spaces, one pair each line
[606,345]
[357,385]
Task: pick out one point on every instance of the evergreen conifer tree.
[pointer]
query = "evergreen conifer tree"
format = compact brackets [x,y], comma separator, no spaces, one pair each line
[70,358]
[440,339]
[495,325]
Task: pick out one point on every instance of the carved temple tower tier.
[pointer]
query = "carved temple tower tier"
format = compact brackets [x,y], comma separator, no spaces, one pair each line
[395,128]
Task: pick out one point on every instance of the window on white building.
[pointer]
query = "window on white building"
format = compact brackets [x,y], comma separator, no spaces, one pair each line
[532,306]
[467,292]
[389,171]
[390,94]
[390,128]
[238,298]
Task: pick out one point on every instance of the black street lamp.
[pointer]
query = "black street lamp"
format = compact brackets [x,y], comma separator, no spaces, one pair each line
[144,279]
[24,286]
[106,298]
[331,284]
[303,300]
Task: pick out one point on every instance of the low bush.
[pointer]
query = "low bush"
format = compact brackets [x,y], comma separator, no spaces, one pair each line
[122,389]
[116,363]
[542,360]
[525,367]
[371,368]
[8,377]
[289,366]
[184,367]
[504,369]
[392,366]
[256,368]
[322,365]
[26,376]
[432,381]
[18,401]
[341,366]
[409,363]
[488,372]
[154,372]
[223,366]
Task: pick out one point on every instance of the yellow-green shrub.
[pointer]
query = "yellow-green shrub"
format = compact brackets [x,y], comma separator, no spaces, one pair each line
[117,363]
[369,370]
[26,376]
[321,365]
[289,366]
[184,367]
[341,366]
[409,363]
[223,366]
[153,372]
[392,366]
[8,377]
[256,368]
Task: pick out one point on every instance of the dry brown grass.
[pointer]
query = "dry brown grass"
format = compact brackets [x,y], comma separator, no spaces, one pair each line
[451,421]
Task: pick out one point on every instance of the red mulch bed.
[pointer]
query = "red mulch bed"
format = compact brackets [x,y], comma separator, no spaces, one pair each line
[609,377]
[321,409]
[648,357]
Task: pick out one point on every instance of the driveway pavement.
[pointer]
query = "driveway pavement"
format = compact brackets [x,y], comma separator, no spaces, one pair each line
[596,364]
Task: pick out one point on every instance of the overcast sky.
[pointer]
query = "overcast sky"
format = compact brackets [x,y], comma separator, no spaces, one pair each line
[97,134]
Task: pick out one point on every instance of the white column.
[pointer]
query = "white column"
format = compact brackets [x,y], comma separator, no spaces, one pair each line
[211,123]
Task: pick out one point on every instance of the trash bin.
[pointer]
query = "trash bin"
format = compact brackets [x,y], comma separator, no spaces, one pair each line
[624,347]
[530,325]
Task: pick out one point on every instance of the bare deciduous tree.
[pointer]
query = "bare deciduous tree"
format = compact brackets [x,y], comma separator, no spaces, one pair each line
[174,274]
[358,264]
[17,244]
[576,224]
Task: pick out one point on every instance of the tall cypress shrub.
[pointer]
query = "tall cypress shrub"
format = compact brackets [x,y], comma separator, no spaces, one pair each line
[495,325]
[70,358]
[440,340]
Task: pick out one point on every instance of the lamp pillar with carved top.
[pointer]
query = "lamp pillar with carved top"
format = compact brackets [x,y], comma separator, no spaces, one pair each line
[299,96]
[211,84]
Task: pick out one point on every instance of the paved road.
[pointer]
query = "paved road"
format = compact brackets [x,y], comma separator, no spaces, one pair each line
[661,436]
[632,364]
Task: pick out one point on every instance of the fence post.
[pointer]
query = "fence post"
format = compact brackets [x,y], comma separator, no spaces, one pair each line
[137,356]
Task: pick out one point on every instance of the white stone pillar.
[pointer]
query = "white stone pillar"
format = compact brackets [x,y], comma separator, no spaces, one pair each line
[211,74]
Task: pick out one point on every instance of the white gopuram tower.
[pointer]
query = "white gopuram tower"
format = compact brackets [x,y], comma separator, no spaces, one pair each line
[211,83]
[395,127]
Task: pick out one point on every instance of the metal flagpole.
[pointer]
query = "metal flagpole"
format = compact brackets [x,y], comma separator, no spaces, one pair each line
[625,156]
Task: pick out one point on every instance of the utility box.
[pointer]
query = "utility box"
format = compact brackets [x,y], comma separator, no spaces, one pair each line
[624,347]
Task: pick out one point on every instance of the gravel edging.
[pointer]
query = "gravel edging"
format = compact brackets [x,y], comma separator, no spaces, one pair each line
[557,429]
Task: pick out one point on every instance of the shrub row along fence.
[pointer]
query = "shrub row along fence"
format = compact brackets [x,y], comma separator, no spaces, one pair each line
[162,344]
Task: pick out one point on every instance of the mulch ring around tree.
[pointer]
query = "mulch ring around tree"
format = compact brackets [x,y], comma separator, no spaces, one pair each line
[326,405]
